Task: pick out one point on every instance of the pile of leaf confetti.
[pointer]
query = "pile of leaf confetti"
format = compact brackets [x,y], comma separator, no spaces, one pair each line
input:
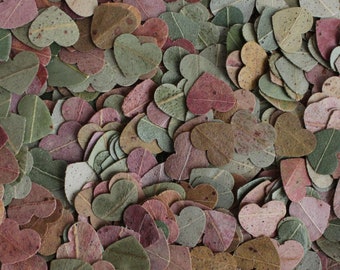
[151,134]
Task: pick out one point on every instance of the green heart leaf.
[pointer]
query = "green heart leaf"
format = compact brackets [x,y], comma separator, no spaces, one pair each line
[5,44]
[16,75]
[111,206]
[38,118]
[133,58]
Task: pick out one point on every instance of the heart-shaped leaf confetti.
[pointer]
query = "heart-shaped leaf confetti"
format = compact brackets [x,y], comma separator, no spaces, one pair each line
[5,44]
[113,18]
[111,206]
[17,245]
[69,264]
[187,157]
[191,223]
[148,9]
[291,253]
[323,159]
[64,145]
[219,230]
[9,166]
[292,140]
[141,161]
[127,253]
[83,244]
[219,147]
[289,24]
[203,193]
[314,213]
[39,202]
[14,14]
[295,178]
[255,59]
[53,25]
[262,220]
[209,92]
[259,253]
[145,57]
[16,75]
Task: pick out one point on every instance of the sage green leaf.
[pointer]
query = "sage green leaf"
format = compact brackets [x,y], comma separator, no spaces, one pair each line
[16,75]
[158,188]
[5,44]
[38,118]
[331,249]
[61,74]
[180,26]
[133,58]
[70,264]
[48,173]
[246,6]
[332,233]
[209,34]
[265,32]
[235,39]
[228,16]
[196,12]
[127,254]
[311,260]
[14,125]
[324,157]
[111,206]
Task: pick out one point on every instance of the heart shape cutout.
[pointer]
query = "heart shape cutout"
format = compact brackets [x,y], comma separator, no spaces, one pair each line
[262,221]
[154,27]
[84,244]
[290,252]
[191,223]
[111,206]
[17,245]
[9,166]
[16,75]
[251,136]
[53,25]
[14,14]
[288,25]
[64,145]
[111,20]
[209,92]
[254,57]
[84,8]
[171,100]
[203,258]
[217,139]
[187,157]
[133,58]
[292,140]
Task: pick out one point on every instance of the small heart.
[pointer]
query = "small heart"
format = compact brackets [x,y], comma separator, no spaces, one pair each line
[203,258]
[156,28]
[262,221]
[171,100]
[251,136]
[14,14]
[16,75]
[209,92]
[111,206]
[17,245]
[191,223]
[111,20]
[217,139]
[133,58]
[53,25]
[288,25]
[84,8]
[293,140]
[84,244]
[290,252]
[64,145]
[254,57]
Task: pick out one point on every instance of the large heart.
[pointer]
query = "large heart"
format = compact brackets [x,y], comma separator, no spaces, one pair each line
[14,13]
[288,25]
[64,145]
[111,206]
[290,252]
[259,221]
[53,25]
[133,58]
[209,92]
[191,223]
[292,140]
[17,245]
[16,75]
